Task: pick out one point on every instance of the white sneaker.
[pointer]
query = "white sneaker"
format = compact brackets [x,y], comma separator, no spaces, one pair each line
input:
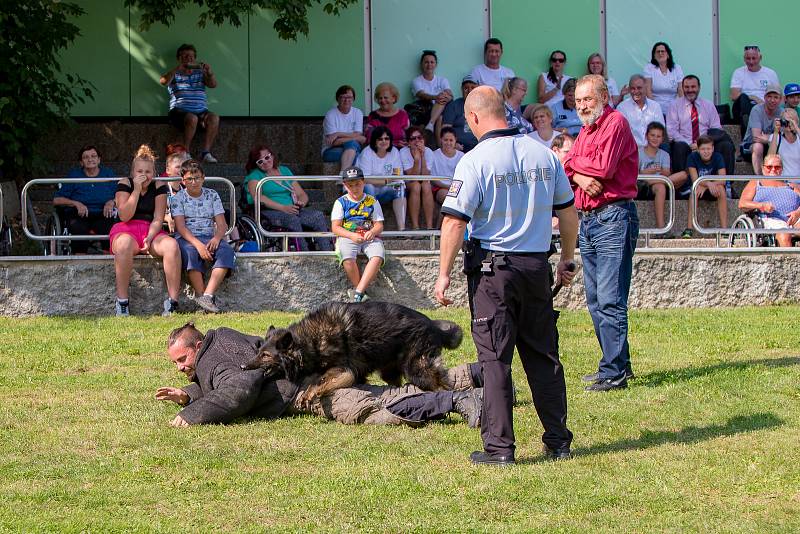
[169,308]
[122,308]
[209,158]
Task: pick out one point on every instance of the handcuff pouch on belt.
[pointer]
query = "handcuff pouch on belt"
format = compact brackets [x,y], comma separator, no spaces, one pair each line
[477,259]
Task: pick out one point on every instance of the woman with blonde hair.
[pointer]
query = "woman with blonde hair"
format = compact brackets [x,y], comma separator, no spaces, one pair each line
[142,205]
[542,118]
[514,91]
[597,65]
[394,118]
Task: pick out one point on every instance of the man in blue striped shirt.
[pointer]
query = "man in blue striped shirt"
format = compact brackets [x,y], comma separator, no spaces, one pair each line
[188,105]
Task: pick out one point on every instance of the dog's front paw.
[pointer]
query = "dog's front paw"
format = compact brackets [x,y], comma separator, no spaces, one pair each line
[308,398]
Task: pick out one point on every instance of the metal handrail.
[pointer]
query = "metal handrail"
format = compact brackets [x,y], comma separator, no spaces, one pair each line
[96,237]
[433,234]
[736,178]
[671,200]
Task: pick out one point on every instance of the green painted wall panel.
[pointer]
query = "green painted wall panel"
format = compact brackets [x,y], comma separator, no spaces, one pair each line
[300,78]
[455,29]
[100,55]
[771,26]
[531,30]
[153,53]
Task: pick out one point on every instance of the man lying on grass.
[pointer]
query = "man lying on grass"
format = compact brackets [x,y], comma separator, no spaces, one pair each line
[220,391]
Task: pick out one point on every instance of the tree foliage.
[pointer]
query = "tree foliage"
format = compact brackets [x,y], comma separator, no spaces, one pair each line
[291,15]
[35,96]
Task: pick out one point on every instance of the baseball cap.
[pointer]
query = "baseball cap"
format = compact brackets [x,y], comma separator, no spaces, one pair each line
[772,88]
[468,79]
[352,173]
[791,89]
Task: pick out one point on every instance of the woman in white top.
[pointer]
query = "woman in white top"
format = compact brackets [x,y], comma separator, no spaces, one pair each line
[542,117]
[550,82]
[380,158]
[431,89]
[514,91]
[444,163]
[597,65]
[663,76]
[417,159]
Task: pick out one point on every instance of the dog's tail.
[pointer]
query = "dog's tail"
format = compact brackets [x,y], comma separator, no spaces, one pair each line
[451,333]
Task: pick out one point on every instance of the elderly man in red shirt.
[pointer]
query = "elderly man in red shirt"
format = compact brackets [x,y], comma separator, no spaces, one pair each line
[603,165]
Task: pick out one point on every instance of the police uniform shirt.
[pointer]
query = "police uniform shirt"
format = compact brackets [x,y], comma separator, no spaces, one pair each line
[506,188]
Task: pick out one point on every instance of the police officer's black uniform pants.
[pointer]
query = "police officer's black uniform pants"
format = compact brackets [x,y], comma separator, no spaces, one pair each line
[512,306]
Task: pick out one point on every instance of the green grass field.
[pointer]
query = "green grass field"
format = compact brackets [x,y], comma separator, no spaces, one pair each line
[705,439]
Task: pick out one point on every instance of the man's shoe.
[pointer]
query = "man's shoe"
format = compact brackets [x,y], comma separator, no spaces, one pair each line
[468,404]
[484,458]
[686,234]
[170,307]
[121,308]
[557,454]
[208,303]
[607,385]
[595,377]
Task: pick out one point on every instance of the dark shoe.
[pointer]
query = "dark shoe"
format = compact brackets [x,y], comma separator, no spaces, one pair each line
[594,377]
[557,454]
[484,458]
[208,303]
[686,234]
[468,404]
[608,385]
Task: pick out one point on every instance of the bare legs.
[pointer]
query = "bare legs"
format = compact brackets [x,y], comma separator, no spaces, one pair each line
[358,281]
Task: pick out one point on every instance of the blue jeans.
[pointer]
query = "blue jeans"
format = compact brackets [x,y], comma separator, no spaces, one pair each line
[607,241]
[334,153]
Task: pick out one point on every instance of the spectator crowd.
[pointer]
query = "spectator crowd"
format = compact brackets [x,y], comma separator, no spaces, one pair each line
[679,135]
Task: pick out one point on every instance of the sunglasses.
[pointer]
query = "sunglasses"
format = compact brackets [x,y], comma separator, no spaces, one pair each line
[772,167]
[557,59]
[384,138]
[264,159]
[415,138]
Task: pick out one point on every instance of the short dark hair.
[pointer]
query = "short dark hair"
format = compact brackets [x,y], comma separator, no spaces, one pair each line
[691,77]
[492,41]
[704,140]
[187,334]
[86,148]
[655,125]
[192,166]
[414,128]
[343,89]
[428,53]
[185,46]
[447,130]
[376,133]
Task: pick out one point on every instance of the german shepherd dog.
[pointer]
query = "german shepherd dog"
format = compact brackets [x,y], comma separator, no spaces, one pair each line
[345,342]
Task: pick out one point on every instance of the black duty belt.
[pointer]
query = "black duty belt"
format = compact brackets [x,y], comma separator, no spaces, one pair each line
[604,207]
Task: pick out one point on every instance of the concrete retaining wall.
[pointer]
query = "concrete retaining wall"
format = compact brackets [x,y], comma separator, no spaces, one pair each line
[54,286]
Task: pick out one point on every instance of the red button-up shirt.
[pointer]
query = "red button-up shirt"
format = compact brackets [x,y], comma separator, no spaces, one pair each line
[606,151]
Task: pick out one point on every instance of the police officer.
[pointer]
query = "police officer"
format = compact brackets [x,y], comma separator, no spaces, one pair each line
[505,189]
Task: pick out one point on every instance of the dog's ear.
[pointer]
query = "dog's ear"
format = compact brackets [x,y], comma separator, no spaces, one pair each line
[269,331]
[284,341]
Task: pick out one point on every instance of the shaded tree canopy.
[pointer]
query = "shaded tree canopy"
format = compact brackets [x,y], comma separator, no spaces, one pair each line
[291,15]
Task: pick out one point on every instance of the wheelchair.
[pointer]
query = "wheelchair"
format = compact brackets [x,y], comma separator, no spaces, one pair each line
[248,230]
[752,221]
[56,225]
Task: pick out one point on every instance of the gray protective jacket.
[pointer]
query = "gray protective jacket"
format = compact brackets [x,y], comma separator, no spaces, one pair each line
[221,391]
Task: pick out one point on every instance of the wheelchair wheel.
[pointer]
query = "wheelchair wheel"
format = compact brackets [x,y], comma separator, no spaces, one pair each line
[248,231]
[742,222]
[55,247]
[5,238]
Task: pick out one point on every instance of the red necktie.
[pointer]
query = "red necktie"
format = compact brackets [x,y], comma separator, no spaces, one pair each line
[695,124]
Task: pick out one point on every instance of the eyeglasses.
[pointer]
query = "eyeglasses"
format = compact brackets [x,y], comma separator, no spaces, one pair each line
[751,47]
[384,138]
[772,167]
[415,138]
[264,159]
[558,59]
[191,179]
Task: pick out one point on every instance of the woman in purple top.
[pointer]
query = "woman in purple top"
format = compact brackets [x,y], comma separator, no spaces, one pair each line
[776,200]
